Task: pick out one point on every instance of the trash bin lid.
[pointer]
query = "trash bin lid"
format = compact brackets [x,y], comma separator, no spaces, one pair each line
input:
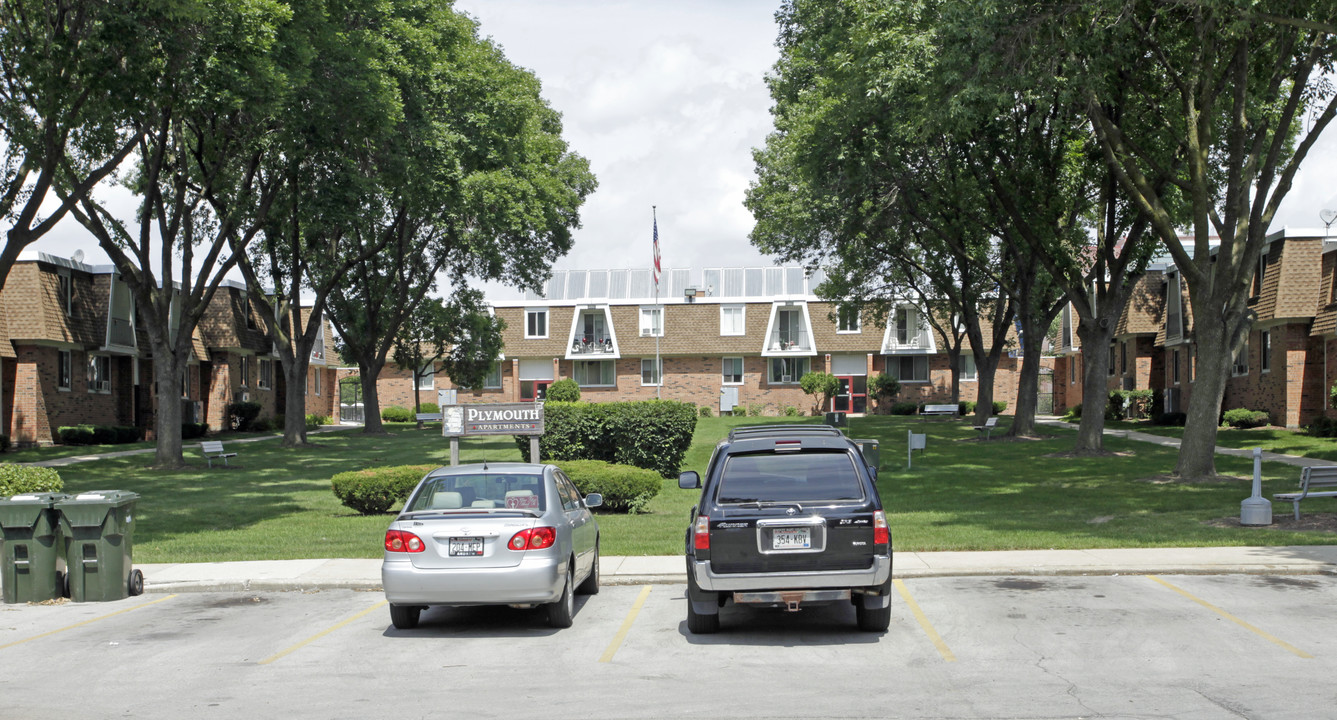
[47,499]
[102,497]
[21,511]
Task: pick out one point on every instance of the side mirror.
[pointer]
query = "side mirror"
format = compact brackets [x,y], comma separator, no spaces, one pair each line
[689,480]
[872,471]
[594,500]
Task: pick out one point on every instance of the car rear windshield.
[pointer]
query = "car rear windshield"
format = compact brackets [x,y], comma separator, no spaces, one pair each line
[480,492]
[806,476]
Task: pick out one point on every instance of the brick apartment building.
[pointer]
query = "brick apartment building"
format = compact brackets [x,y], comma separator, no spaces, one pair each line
[72,352]
[724,338]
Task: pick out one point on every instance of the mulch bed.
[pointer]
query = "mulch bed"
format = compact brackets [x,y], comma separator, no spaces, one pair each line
[1285,520]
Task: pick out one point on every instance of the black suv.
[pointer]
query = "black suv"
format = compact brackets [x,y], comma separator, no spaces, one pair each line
[789,516]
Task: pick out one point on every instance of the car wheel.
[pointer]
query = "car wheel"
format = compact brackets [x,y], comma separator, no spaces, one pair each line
[591,584]
[873,619]
[699,623]
[405,617]
[561,612]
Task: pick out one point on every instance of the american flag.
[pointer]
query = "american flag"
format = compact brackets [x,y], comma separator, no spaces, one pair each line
[656,225]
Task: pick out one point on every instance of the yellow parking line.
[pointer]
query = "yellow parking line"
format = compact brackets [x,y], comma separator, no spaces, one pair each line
[933,635]
[93,620]
[322,633]
[1265,635]
[626,625]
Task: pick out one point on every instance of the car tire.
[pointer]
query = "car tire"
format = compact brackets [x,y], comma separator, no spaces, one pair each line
[561,613]
[873,619]
[405,617]
[591,584]
[699,623]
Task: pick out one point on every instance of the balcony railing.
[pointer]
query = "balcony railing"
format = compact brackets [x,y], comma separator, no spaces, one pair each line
[592,345]
[790,341]
[122,332]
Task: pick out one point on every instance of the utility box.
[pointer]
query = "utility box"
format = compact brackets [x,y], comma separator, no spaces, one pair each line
[32,568]
[836,419]
[872,453]
[98,529]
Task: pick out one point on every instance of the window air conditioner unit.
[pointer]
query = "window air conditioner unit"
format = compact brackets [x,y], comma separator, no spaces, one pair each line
[786,378]
[647,332]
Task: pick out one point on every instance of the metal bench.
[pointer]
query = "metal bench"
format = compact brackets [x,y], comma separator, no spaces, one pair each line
[213,450]
[949,409]
[987,427]
[428,417]
[1324,476]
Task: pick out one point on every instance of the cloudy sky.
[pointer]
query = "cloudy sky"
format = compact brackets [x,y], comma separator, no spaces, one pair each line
[666,98]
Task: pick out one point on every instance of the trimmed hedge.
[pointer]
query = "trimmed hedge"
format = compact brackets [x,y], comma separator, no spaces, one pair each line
[241,415]
[20,479]
[394,413]
[97,434]
[374,490]
[625,488]
[564,390]
[314,421]
[651,434]
[1322,427]
[905,407]
[1243,418]
[190,431]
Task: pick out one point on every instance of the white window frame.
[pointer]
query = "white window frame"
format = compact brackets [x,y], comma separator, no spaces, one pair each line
[99,374]
[245,367]
[602,365]
[536,312]
[488,383]
[798,367]
[843,317]
[266,379]
[1113,368]
[724,376]
[1174,366]
[65,291]
[650,313]
[1240,364]
[1264,352]
[653,362]
[914,360]
[425,377]
[741,311]
[907,331]
[316,380]
[972,375]
[64,367]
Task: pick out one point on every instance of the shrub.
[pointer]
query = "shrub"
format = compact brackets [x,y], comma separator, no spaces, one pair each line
[905,408]
[241,415]
[756,409]
[262,425]
[4,443]
[1322,426]
[314,421]
[703,411]
[429,407]
[126,434]
[190,431]
[883,385]
[564,390]
[374,490]
[395,413]
[75,434]
[821,385]
[20,479]
[1242,418]
[653,434]
[791,411]
[999,406]
[625,488]
[1174,418]
[965,407]
[1074,413]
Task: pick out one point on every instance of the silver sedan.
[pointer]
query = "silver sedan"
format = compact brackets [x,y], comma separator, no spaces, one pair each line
[513,534]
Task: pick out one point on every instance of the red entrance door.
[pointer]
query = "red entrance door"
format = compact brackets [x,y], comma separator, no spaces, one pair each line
[852,394]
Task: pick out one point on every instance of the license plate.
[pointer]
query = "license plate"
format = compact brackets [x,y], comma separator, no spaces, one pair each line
[791,539]
[466,546]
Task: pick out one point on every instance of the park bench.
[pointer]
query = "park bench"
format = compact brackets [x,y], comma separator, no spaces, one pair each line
[1310,478]
[429,417]
[213,450]
[987,427]
[950,410]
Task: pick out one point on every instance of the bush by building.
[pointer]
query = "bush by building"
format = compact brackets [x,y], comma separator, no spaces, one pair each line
[242,415]
[1244,418]
[97,434]
[375,490]
[624,488]
[651,434]
[564,390]
[19,479]
[395,413]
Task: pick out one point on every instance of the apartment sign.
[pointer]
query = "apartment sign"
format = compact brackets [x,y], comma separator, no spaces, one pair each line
[497,419]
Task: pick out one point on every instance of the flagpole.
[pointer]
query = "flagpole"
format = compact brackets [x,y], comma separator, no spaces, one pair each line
[658,367]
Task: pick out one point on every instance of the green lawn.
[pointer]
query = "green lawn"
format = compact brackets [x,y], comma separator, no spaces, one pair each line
[1270,439]
[961,495]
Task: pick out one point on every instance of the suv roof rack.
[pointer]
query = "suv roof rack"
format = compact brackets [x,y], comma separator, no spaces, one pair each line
[749,431]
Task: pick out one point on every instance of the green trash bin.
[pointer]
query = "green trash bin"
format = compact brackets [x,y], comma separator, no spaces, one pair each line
[33,567]
[99,530]
[872,454]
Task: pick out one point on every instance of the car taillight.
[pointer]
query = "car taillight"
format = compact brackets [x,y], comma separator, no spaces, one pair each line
[533,539]
[400,541]
[702,538]
[881,533]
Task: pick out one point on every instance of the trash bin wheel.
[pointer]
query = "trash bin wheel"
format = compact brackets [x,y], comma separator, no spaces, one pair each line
[136,583]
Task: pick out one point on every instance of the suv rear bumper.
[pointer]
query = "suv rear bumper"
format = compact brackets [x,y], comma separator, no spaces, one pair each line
[709,581]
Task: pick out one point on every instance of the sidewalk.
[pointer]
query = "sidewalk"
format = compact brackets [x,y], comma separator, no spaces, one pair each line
[1173,442]
[275,575]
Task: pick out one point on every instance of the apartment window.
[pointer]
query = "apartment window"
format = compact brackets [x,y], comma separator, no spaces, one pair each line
[65,292]
[652,371]
[1241,362]
[493,379]
[1265,351]
[908,368]
[847,320]
[64,369]
[1072,369]
[1174,367]
[99,373]
[733,371]
[731,320]
[245,370]
[787,370]
[1258,275]
[593,373]
[317,382]
[968,370]
[907,325]
[1113,369]
[426,376]
[266,373]
[536,323]
[1123,357]
[1174,314]
[652,322]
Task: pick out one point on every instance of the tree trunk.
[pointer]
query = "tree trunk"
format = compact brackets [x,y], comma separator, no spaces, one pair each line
[1028,388]
[1095,339]
[987,370]
[371,404]
[294,400]
[167,372]
[1197,450]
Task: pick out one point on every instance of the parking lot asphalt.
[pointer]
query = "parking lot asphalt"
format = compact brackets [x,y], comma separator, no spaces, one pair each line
[364,574]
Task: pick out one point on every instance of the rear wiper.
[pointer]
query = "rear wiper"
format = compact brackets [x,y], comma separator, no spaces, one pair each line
[758,504]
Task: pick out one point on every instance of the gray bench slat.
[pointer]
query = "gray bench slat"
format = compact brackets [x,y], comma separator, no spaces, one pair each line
[1319,476]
